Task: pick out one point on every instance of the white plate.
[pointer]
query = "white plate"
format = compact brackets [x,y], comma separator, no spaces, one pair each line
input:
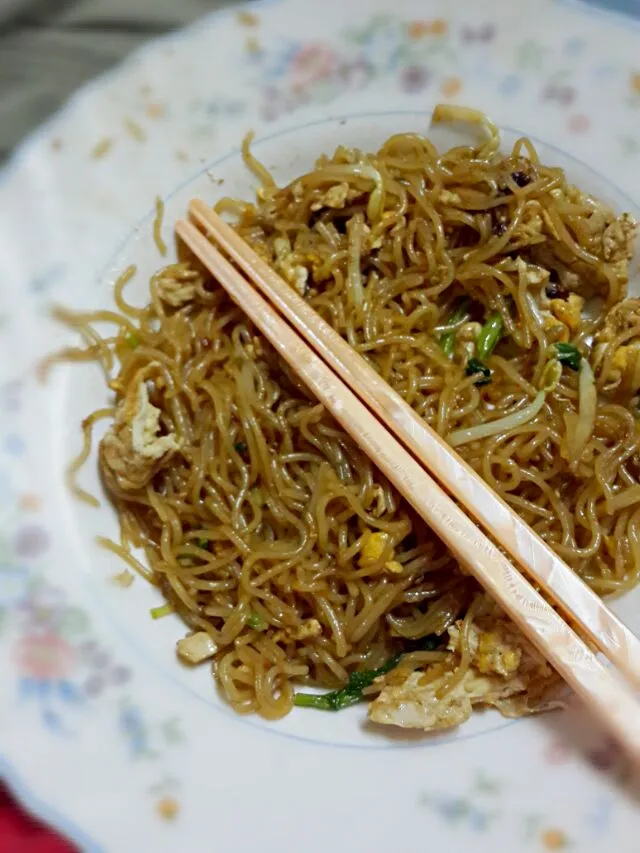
[101,733]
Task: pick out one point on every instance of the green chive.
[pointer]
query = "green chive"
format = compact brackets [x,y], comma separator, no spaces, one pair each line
[568,355]
[160,612]
[448,339]
[476,367]
[489,336]
[255,621]
[348,695]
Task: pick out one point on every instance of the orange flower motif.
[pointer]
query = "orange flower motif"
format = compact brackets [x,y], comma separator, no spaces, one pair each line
[451,87]
[635,82]
[168,808]
[553,839]
[155,110]
[419,29]
[30,502]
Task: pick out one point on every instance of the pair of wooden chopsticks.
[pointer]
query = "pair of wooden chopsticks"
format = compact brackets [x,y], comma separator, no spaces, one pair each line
[343,381]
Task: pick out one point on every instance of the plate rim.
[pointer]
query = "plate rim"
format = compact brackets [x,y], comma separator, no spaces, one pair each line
[13,778]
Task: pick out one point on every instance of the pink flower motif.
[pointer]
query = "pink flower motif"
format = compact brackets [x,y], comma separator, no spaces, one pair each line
[313,63]
[560,93]
[31,541]
[578,123]
[414,78]
[557,753]
[44,657]
[355,73]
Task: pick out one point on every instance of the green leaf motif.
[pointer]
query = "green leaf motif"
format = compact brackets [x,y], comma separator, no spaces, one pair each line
[74,622]
[531,54]
[630,146]
[172,731]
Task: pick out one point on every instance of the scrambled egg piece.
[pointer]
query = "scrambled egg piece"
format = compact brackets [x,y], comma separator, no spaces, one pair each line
[618,237]
[447,197]
[556,332]
[297,191]
[373,550]
[309,629]
[373,547]
[623,356]
[465,340]
[123,579]
[603,234]
[380,502]
[132,452]
[196,648]
[371,240]
[530,230]
[623,372]
[621,318]
[336,197]
[175,292]
[568,311]
[533,274]
[506,672]
[287,264]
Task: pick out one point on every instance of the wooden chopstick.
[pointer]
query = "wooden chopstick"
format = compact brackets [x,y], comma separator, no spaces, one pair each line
[568,591]
[610,699]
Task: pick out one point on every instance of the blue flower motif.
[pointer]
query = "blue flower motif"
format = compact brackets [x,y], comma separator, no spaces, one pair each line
[574,46]
[6,491]
[604,72]
[10,393]
[52,721]
[453,808]
[14,582]
[510,85]
[598,817]
[278,64]
[14,444]
[69,692]
[49,277]
[134,729]
[481,69]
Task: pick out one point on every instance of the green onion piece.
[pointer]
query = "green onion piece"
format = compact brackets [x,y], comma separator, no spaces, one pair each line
[240,447]
[160,612]
[348,695]
[489,336]
[203,543]
[476,367]
[568,355]
[448,339]
[132,340]
[255,621]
